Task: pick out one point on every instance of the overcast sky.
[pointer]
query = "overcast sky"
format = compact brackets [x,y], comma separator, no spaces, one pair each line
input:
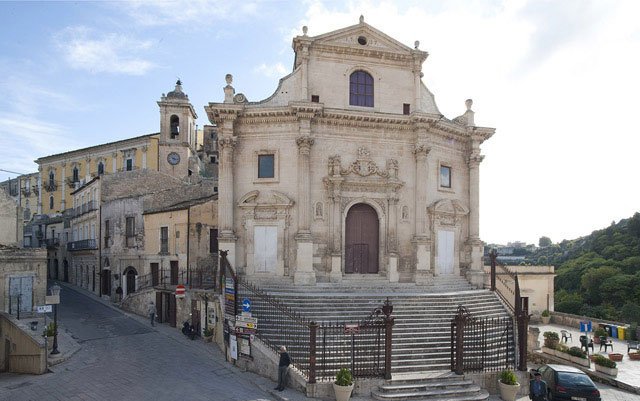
[557,79]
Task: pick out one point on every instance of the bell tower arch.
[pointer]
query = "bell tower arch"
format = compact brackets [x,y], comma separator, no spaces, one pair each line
[178,137]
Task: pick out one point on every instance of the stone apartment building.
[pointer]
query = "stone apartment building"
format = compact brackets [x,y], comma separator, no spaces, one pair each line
[349,168]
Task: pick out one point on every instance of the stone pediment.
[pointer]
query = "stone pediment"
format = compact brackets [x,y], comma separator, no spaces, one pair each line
[266,199]
[448,207]
[362,37]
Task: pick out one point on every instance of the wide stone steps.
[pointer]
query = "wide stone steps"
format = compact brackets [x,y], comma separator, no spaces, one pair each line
[421,333]
[442,387]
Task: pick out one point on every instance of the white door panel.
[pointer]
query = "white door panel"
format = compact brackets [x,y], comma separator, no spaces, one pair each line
[445,252]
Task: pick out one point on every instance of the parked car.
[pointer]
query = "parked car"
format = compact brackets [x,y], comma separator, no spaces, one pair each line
[568,383]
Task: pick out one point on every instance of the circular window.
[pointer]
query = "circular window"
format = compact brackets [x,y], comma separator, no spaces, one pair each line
[362,40]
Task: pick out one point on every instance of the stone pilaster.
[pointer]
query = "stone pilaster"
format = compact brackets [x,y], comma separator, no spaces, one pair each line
[63,175]
[40,187]
[392,270]
[336,225]
[145,148]
[476,273]
[422,243]
[304,274]
[114,162]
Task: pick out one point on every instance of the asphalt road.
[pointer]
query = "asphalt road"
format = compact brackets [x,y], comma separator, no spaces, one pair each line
[123,358]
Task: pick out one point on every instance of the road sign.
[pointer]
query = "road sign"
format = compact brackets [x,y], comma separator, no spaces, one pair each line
[247,319]
[180,291]
[246,305]
[44,308]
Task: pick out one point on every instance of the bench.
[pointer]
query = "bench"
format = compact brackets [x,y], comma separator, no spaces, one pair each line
[632,345]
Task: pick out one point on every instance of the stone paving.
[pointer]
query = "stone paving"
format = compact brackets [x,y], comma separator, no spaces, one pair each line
[107,354]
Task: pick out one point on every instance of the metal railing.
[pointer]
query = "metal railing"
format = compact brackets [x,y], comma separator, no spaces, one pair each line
[507,286]
[202,278]
[82,245]
[52,242]
[319,350]
[481,344]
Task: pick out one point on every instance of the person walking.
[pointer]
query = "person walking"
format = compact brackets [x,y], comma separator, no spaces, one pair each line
[283,367]
[151,310]
[538,388]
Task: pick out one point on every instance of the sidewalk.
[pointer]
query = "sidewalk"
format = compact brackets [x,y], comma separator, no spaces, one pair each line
[628,377]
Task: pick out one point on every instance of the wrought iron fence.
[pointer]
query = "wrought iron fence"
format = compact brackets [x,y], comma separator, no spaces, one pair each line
[481,344]
[319,350]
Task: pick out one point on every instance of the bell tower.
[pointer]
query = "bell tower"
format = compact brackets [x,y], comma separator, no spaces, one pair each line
[178,137]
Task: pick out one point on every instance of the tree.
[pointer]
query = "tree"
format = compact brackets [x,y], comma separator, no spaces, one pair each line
[544,242]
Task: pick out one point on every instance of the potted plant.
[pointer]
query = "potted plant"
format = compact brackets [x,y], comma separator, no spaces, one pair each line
[508,384]
[546,316]
[207,335]
[605,365]
[551,339]
[634,355]
[599,332]
[49,332]
[615,357]
[578,356]
[343,386]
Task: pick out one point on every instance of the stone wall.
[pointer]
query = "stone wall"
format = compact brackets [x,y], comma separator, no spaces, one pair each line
[10,215]
[27,352]
[18,262]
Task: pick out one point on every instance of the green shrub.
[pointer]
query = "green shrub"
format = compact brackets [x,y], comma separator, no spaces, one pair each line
[208,332]
[545,313]
[50,330]
[344,377]
[562,348]
[600,332]
[508,377]
[630,333]
[604,361]
[551,335]
[577,351]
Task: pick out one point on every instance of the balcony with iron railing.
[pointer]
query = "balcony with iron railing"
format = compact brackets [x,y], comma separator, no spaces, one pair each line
[50,186]
[85,244]
[52,242]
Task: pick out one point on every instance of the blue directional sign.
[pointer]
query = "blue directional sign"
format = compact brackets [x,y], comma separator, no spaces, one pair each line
[246,305]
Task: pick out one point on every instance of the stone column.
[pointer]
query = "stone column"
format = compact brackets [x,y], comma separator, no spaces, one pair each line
[423,274]
[304,274]
[227,238]
[335,219]
[476,273]
[392,269]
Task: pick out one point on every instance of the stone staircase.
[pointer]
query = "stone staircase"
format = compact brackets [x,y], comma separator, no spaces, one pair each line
[421,334]
[445,386]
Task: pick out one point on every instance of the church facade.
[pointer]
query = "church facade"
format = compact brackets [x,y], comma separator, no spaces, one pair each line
[349,169]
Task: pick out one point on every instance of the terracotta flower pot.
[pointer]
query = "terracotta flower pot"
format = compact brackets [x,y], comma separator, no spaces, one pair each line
[634,356]
[615,357]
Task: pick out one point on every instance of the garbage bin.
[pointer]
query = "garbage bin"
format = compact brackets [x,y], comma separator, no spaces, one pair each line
[614,331]
[590,326]
[607,328]
[621,332]
[34,325]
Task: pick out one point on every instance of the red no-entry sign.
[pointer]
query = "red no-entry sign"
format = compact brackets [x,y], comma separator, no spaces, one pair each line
[180,291]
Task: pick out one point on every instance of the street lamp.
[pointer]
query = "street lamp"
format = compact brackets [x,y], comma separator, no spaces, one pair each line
[55,300]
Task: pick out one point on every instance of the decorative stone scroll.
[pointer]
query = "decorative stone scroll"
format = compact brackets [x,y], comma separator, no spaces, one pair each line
[363,166]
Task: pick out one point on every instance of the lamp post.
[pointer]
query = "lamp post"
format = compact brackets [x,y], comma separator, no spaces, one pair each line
[55,295]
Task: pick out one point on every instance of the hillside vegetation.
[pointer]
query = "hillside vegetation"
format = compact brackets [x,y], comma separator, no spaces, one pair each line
[598,275]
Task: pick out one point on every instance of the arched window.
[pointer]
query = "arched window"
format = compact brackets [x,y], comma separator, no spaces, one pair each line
[100,168]
[175,126]
[75,174]
[361,89]
[51,202]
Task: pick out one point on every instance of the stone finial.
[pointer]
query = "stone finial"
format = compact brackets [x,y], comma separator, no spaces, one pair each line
[229,91]
[305,29]
[362,19]
[468,103]
[416,44]
[178,82]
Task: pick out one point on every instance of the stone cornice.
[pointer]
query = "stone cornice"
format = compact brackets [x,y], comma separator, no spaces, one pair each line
[377,53]
[219,112]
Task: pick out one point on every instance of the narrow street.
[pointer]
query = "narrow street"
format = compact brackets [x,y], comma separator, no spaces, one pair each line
[124,359]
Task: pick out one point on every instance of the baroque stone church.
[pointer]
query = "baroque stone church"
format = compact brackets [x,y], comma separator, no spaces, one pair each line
[349,169]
